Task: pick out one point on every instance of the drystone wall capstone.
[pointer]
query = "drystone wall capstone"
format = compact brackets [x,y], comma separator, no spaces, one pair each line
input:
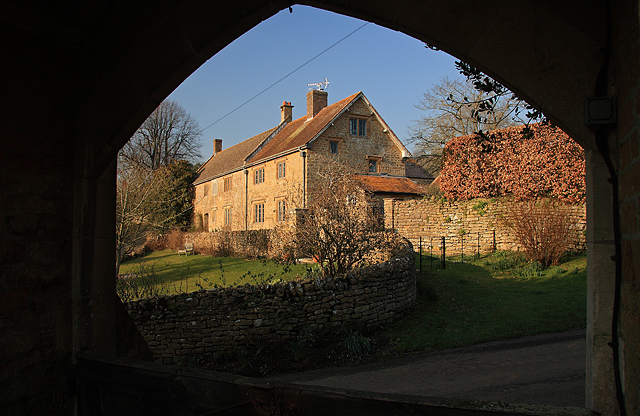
[212,323]
[475,225]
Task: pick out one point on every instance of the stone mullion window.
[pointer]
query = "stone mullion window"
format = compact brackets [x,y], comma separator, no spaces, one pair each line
[357,127]
[259,213]
[282,211]
[258,176]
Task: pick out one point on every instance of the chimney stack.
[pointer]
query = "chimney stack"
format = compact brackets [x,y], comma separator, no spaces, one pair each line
[217,146]
[316,101]
[286,111]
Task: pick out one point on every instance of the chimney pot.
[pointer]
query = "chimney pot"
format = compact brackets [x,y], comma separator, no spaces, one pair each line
[286,111]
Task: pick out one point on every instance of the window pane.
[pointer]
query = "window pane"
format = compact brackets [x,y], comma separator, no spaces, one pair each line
[333,147]
[362,127]
[353,127]
[373,166]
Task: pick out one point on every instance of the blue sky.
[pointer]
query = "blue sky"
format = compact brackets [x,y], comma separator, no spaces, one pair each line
[391,68]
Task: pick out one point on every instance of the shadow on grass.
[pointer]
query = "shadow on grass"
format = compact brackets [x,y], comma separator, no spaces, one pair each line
[496,297]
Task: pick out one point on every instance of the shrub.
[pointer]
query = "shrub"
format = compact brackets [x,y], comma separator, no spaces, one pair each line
[356,344]
[542,228]
[174,239]
[154,243]
[219,245]
[527,163]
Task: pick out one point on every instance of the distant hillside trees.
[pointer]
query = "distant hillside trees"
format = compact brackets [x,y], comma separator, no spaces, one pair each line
[539,161]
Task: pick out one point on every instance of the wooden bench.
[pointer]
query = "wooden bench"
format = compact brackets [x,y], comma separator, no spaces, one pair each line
[188,248]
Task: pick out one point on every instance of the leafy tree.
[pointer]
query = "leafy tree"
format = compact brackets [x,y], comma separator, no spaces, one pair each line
[167,135]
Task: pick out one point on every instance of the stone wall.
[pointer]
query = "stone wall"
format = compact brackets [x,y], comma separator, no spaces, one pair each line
[214,322]
[479,219]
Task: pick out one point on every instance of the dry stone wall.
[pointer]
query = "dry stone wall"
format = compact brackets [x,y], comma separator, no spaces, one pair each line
[212,323]
[481,220]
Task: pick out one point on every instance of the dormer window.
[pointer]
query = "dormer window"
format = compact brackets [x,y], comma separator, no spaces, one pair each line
[357,127]
[374,163]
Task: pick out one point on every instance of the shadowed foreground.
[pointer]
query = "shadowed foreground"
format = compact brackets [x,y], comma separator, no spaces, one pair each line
[543,369]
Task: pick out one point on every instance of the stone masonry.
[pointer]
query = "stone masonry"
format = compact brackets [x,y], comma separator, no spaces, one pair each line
[214,322]
[478,219]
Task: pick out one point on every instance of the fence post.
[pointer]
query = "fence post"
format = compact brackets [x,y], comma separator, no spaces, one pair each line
[495,247]
[420,254]
[443,262]
[478,255]
[431,253]
[462,248]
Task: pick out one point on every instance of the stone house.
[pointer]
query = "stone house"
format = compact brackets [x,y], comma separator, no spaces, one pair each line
[260,181]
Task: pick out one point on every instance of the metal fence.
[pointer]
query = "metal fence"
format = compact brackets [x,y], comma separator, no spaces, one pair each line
[469,245]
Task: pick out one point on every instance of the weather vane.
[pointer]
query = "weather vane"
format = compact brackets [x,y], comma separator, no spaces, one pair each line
[319,85]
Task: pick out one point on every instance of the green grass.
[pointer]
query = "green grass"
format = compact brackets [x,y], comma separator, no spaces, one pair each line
[496,297]
[181,274]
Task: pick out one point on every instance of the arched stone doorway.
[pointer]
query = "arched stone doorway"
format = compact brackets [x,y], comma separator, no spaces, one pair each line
[83,79]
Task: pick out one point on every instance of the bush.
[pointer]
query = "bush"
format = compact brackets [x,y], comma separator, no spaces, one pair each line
[356,344]
[174,239]
[219,245]
[154,243]
[542,227]
[524,162]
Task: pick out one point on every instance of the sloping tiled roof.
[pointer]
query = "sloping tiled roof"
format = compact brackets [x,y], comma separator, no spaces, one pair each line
[389,184]
[413,170]
[230,159]
[292,136]
[300,131]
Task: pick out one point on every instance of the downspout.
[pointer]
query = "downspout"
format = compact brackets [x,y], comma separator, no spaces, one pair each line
[304,178]
[246,199]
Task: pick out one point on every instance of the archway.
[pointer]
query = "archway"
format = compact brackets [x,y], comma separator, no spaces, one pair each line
[108,68]
[537,83]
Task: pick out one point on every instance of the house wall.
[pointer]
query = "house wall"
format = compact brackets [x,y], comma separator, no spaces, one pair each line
[355,149]
[352,150]
[213,199]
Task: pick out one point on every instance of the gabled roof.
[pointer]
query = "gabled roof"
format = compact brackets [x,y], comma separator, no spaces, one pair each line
[302,130]
[389,184]
[285,138]
[230,159]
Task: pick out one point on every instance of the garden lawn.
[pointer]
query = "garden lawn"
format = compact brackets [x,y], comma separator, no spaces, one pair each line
[493,298]
[170,273]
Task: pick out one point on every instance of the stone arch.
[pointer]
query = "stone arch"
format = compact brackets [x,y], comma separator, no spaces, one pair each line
[97,71]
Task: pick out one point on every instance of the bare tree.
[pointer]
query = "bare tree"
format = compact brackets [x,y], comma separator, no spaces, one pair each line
[137,195]
[456,108]
[168,135]
[339,226]
[151,201]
